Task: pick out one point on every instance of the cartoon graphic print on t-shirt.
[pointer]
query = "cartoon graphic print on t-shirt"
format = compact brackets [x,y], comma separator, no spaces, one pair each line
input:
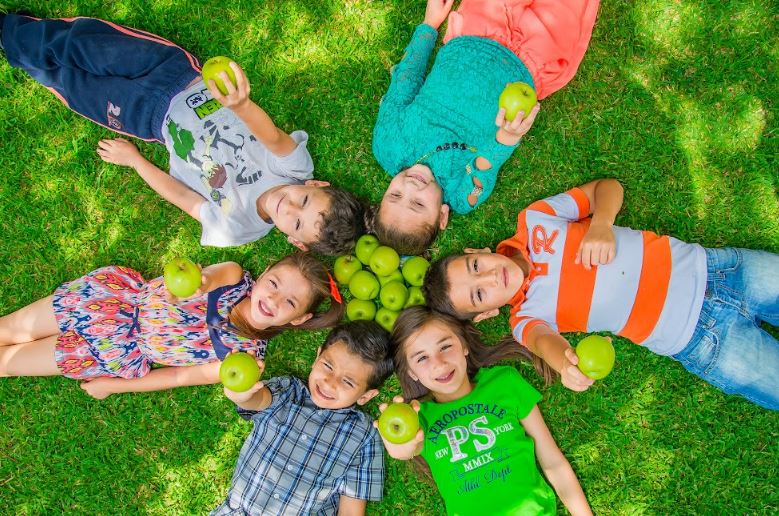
[222,150]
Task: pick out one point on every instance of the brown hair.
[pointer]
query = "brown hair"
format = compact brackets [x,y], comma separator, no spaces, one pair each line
[436,288]
[342,224]
[415,242]
[319,282]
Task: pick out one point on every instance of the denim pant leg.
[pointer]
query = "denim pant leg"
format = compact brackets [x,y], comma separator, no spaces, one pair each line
[729,349]
[118,77]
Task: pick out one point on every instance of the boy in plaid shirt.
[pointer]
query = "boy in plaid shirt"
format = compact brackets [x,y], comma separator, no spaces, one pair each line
[311,451]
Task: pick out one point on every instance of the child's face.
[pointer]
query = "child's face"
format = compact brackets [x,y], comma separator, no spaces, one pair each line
[339,378]
[482,283]
[413,198]
[436,358]
[281,295]
[298,211]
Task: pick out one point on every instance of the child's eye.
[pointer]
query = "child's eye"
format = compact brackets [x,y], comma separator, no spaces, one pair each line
[275,285]
[478,295]
[476,266]
[291,303]
[297,225]
[421,359]
[395,195]
[417,203]
[305,200]
[445,347]
[327,366]
[348,384]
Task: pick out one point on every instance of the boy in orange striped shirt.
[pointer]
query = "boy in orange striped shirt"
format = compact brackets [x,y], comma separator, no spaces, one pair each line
[568,268]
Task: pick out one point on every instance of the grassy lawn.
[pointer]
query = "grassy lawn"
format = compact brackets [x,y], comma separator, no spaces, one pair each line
[677,99]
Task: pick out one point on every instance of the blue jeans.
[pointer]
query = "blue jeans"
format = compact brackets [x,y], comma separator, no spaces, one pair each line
[728,348]
[118,77]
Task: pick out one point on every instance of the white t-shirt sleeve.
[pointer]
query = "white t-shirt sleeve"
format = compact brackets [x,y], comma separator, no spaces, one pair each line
[297,164]
[220,231]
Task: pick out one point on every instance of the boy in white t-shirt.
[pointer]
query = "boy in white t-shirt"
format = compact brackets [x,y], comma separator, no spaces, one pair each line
[231,168]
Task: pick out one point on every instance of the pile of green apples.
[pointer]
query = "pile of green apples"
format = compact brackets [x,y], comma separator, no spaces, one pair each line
[380,286]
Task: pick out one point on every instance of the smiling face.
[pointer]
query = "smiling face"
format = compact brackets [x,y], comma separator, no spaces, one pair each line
[413,200]
[339,378]
[483,282]
[281,295]
[437,359]
[297,210]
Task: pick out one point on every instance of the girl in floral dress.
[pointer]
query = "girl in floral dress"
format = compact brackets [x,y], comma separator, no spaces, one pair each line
[109,326]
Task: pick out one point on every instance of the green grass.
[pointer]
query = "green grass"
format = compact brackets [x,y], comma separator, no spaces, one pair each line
[677,99]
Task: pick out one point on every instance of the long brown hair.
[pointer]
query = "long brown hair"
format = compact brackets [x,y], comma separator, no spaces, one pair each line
[412,320]
[318,281]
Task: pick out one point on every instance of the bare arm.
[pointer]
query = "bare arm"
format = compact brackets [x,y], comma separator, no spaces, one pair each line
[348,506]
[256,119]
[122,152]
[554,465]
[599,247]
[157,380]
[554,349]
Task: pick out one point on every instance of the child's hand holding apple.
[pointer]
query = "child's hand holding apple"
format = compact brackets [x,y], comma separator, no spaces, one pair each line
[232,89]
[571,376]
[240,373]
[511,131]
[399,428]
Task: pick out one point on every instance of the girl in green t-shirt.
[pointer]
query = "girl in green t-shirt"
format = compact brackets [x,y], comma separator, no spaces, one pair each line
[480,427]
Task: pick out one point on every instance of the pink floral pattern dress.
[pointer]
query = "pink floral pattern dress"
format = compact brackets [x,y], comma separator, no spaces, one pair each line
[113,323]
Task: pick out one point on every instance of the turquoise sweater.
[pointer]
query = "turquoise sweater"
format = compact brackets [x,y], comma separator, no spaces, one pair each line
[447,119]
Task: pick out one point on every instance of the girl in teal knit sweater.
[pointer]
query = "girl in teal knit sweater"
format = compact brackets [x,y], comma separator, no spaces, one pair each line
[440,134]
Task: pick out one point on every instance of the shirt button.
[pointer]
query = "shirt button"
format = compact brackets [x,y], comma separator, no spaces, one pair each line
[304,437]
[289,467]
[276,496]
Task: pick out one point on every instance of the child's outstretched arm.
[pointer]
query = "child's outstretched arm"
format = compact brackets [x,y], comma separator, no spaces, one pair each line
[555,350]
[121,152]
[410,449]
[555,466]
[599,247]
[256,119]
[257,398]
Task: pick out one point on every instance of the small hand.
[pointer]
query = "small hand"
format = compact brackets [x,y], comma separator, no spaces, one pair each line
[437,11]
[202,289]
[99,388]
[237,94]
[598,247]
[119,152]
[404,451]
[571,376]
[243,397]
[509,133]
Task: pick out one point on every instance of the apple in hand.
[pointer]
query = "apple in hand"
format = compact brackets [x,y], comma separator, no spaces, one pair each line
[345,267]
[399,423]
[384,260]
[516,97]
[364,285]
[394,276]
[386,318]
[393,295]
[415,297]
[213,67]
[182,277]
[414,270]
[239,371]
[359,310]
[365,247]
[596,356]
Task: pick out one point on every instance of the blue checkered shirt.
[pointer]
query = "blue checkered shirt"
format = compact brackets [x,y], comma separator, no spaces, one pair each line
[299,458]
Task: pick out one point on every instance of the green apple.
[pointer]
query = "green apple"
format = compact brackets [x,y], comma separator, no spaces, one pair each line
[239,371]
[345,267]
[213,67]
[359,310]
[516,97]
[596,356]
[364,285]
[414,270]
[393,295]
[182,277]
[365,247]
[415,297]
[386,318]
[395,276]
[384,260]
[399,423]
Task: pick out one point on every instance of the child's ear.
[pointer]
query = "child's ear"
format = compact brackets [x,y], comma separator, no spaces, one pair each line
[486,315]
[367,396]
[317,182]
[297,243]
[443,218]
[300,320]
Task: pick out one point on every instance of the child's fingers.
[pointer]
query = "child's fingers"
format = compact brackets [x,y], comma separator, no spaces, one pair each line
[398,399]
[415,405]
[242,82]
[570,354]
[214,90]
[500,118]
[229,86]
[382,407]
